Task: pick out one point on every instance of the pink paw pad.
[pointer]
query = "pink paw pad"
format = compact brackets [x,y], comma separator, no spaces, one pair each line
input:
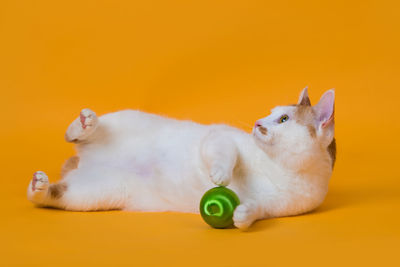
[39,181]
[34,181]
[87,118]
[83,120]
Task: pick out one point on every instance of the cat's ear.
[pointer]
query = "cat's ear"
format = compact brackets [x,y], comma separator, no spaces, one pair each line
[325,115]
[303,98]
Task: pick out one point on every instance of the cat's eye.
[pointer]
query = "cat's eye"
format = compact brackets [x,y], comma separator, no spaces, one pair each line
[283,118]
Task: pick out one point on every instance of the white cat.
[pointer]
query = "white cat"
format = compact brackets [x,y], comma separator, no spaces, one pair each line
[136,161]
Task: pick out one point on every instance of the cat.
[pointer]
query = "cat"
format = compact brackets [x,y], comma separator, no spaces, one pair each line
[135,161]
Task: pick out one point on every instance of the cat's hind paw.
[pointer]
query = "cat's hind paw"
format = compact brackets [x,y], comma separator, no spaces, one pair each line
[82,127]
[38,187]
[40,181]
[87,118]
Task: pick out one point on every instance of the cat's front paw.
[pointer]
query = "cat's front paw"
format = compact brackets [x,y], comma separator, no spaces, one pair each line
[220,176]
[244,215]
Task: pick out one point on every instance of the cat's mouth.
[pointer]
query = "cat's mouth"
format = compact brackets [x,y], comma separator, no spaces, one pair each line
[261,129]
[260,133]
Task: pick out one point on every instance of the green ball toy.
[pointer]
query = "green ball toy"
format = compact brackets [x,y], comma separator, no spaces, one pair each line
[217,207]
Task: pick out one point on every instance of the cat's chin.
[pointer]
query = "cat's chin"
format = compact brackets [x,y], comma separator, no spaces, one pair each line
[262,140]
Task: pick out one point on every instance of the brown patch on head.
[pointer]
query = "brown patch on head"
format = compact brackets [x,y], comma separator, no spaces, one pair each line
[304,115]
[312,130]
[332,151]
[305,101]
[303,98]
[56,191]
[263,130]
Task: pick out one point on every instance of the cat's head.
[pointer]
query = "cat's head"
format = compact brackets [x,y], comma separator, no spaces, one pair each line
[300,134]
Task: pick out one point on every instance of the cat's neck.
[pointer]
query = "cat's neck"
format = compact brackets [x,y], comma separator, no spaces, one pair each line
[314,166]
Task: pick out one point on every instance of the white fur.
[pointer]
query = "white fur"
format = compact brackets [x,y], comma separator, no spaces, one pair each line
[136,161]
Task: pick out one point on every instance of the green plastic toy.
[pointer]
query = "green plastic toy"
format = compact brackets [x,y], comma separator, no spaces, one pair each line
[217,207]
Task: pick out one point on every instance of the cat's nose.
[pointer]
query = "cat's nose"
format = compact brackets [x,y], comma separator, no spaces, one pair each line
[257,124]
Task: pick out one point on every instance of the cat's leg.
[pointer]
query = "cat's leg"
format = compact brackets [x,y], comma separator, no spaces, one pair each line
[82,127]
[219,152]
[70,164]
[85,190]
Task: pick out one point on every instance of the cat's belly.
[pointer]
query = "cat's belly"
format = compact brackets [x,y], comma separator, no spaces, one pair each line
[166,184]
[159,160]
[158,177]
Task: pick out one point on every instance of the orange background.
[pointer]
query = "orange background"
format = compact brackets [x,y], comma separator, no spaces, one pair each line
[209,61]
